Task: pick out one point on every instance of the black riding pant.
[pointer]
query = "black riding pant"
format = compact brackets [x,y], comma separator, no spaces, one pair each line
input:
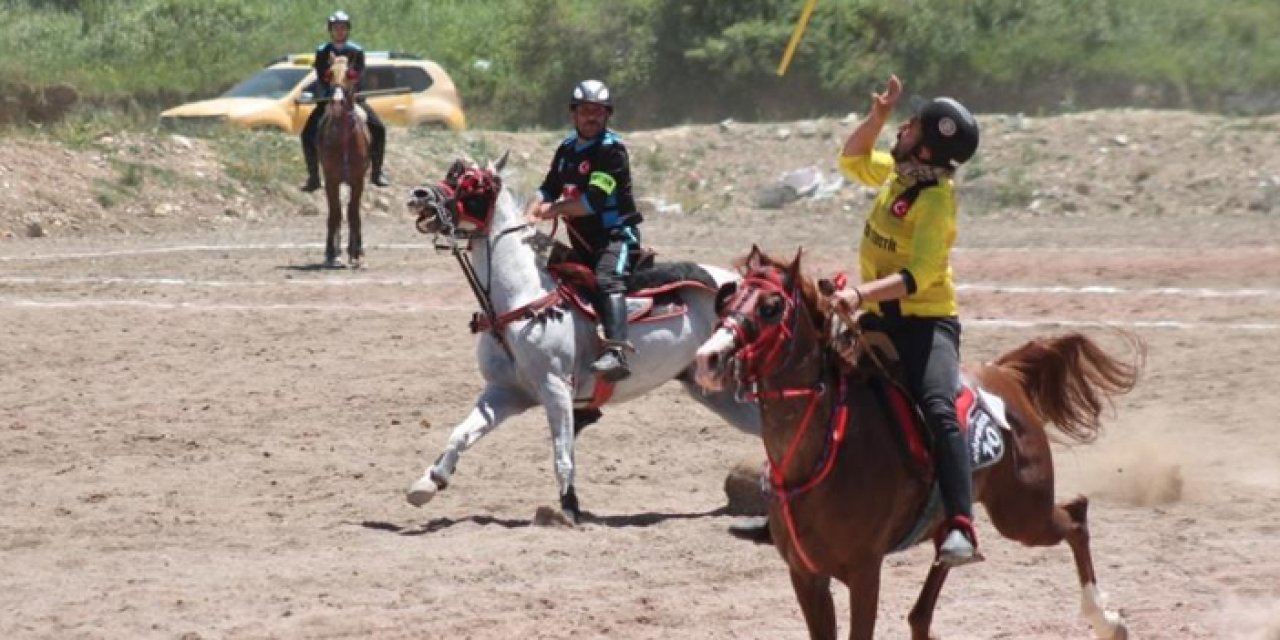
[613,264]
[929,349]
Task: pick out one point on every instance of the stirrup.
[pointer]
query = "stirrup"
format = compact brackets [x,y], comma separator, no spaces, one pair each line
[957,550]
[611,365]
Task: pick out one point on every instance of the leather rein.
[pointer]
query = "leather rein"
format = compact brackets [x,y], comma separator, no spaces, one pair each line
[756,360]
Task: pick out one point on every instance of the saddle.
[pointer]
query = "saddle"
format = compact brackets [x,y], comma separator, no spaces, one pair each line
[652,292]
[980,413]
[561,253]
[652,288]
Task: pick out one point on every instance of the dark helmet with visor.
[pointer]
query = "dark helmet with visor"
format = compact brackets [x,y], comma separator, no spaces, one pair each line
[950,132]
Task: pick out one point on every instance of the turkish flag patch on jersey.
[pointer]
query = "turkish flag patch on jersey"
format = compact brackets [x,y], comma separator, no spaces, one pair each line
[584,168]
[900,207]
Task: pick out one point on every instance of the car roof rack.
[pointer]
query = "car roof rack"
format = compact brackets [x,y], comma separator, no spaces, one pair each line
[307,58]
[392,55]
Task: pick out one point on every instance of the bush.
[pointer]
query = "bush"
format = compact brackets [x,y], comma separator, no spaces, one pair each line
[678,60]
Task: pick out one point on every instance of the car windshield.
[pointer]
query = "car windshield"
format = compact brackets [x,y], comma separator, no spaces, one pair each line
[269,83]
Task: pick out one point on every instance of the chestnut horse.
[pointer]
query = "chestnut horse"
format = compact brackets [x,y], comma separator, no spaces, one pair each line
[343,141]
[846,492]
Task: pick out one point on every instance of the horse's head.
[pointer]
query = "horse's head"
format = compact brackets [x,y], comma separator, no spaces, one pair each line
[462,205]
[764,319]
[343,84]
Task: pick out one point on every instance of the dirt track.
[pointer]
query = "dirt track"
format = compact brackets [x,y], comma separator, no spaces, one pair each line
[202,439]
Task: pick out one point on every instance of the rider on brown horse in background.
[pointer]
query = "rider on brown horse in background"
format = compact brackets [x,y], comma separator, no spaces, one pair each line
[907,288]
[339,29]
[589,185]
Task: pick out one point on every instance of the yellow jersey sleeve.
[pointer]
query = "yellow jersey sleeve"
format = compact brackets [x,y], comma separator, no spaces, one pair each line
[873,169]
[935,230]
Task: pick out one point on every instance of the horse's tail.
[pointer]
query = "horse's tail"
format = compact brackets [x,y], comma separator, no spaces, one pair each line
[1068,377]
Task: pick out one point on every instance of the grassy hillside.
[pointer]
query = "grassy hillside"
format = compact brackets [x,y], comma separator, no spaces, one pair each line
[677,60]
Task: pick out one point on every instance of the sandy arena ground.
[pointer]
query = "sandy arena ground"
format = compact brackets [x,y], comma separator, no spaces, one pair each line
[202,438]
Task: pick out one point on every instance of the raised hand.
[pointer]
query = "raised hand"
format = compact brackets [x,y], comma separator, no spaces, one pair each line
[884,102]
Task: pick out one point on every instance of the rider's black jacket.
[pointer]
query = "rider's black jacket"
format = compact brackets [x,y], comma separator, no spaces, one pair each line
[599,173]
[324,54]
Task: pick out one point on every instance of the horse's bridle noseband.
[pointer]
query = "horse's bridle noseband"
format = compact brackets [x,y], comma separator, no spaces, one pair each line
[462,204]
[759,340]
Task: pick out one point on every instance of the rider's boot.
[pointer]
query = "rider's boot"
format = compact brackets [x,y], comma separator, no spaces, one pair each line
[378,151]
[612,364]
[312,158]
[959,540]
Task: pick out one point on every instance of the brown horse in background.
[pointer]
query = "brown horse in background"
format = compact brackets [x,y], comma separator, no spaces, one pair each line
[343,141]
[845,490]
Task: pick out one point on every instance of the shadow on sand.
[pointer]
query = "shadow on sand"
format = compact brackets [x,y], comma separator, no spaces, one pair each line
[613,521]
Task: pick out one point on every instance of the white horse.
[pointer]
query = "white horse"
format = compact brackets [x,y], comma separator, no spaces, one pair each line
[539,354]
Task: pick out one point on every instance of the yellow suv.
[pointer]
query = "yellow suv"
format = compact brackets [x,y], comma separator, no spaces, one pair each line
[404,89]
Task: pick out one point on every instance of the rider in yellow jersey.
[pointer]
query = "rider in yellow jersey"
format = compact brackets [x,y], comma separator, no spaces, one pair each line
[907,288]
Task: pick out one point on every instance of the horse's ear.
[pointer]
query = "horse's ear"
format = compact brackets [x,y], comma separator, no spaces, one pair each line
[502,162]
[455,171]
[755,259]
[793,270]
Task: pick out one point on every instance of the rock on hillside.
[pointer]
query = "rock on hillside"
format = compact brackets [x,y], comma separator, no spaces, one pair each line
[1088,165]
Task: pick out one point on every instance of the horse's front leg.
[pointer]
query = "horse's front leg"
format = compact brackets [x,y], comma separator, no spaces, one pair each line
[494,405]
[814,594]
[333,237]
[556,395]
[921,616]
[355,241]
[863,580]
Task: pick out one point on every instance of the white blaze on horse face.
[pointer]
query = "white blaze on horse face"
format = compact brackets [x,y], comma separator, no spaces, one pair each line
[338,72]
[711,359]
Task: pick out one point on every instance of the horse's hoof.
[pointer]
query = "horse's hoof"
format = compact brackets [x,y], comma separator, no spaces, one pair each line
[569,509]
[422,491]
[332,263]
[1121,632]
[755,529]
[357,263]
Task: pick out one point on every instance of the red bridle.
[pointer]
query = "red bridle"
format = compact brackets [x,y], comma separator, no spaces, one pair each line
[463,203]
[761,341]
[757,357]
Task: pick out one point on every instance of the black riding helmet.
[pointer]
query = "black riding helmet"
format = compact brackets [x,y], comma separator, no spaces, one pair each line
[591,92]
[339,17]
[950,132]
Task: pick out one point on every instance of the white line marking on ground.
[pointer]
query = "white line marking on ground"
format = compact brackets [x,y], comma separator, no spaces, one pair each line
[184,282]
[1129,324]
[197,248]
[1192,292]
[414,246]
[340,281]
[28,303]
